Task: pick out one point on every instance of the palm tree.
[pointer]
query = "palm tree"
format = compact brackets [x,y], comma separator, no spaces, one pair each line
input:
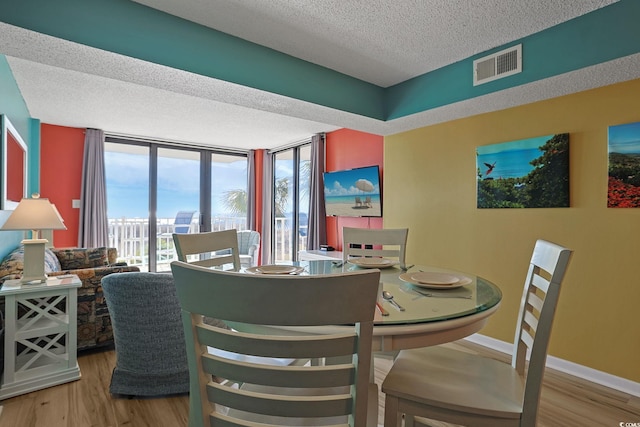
[281,196]
[235,201]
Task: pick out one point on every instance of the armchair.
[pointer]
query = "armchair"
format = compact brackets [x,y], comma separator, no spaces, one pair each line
[248,244]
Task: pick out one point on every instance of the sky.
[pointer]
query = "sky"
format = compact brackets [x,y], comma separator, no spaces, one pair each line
[343,183]
[178,184]
[625,139]
[509,159]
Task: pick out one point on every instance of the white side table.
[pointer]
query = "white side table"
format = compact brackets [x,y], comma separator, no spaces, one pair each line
[40,334]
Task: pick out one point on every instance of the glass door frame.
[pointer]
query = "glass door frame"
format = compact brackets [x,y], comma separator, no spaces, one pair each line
[295,211]
[206,154]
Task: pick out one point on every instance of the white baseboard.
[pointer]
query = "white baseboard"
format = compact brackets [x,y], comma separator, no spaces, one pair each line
[617,383]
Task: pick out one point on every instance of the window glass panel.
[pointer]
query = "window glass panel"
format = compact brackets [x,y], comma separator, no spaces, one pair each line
[178,200]
[127,178]
[229,191]
[283,205]
[180,191]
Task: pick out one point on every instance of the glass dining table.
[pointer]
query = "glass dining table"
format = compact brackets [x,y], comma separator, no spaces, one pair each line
[428,316]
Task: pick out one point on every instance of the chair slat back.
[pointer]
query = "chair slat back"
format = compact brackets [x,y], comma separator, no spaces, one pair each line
[205,245]
[388,243]
[537,309]
[286,301]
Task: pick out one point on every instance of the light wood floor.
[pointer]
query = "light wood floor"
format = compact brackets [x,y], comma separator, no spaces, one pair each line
[566,402]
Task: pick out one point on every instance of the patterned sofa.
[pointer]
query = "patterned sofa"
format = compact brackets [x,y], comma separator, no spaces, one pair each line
[90,265]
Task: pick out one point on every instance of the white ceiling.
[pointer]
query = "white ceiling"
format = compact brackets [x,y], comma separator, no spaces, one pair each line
[380,41]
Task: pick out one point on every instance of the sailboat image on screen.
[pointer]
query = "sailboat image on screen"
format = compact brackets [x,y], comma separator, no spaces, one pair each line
[353,192]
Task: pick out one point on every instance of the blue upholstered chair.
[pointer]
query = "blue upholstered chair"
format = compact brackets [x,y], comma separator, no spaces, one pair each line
[248,244]
[151,358]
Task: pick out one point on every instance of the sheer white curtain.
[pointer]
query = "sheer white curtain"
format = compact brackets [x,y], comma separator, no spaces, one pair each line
[317,232]
[267,215]
[93,229]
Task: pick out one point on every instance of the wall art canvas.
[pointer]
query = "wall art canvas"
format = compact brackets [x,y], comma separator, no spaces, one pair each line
[624,166]
[528,173]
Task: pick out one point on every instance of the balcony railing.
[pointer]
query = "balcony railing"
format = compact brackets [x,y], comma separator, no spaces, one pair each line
[130,236]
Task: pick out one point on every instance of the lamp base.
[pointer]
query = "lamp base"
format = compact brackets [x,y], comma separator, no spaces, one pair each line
[33,270]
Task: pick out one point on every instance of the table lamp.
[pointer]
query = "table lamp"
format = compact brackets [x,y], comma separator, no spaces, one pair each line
[34,214]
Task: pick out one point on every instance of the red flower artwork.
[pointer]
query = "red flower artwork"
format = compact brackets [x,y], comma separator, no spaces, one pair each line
[621,195]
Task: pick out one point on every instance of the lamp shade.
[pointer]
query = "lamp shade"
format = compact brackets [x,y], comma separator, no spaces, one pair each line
[34,214]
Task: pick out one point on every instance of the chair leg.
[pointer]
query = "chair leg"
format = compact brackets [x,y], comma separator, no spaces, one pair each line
[392,418]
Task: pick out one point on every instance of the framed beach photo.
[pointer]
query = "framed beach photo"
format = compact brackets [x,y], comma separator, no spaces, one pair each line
[624,166]
[527,173]
[353,192]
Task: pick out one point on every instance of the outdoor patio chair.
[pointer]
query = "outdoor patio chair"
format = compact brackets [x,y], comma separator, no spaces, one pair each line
[182,223]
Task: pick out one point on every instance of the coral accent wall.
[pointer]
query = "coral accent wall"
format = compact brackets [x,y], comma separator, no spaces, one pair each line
[348,149]
[61,154]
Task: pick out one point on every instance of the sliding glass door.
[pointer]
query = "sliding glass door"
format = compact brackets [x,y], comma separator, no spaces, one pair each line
[290,204]
[127,176]
[177,200]
[229,192]
[155,190]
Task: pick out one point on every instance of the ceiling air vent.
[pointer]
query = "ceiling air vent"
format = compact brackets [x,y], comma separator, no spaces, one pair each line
[498,65]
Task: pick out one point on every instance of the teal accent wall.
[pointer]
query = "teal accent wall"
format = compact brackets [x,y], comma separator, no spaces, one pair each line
[132,29]
[600,36]
[33,183]
[12,104]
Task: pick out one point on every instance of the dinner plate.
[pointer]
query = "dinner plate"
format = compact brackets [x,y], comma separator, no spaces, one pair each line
[433,278]
[461,281]
[372,262]
[275,269]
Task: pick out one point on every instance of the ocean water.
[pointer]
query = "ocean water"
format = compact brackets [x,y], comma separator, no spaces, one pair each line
[508,163]
[375,198]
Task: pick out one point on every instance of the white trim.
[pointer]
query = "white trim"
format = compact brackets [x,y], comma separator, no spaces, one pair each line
[621,384]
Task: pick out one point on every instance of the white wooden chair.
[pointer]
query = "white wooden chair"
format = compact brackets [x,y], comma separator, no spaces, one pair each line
[457,387]
[205,246]
[277,395]
[393,242]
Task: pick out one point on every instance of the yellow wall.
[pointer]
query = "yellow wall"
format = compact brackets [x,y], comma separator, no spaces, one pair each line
[430,187]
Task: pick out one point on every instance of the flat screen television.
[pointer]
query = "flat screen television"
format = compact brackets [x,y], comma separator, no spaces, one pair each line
[353,192]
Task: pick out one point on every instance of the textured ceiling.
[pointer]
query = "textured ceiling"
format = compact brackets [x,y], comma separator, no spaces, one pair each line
[383,42]
[379,41]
